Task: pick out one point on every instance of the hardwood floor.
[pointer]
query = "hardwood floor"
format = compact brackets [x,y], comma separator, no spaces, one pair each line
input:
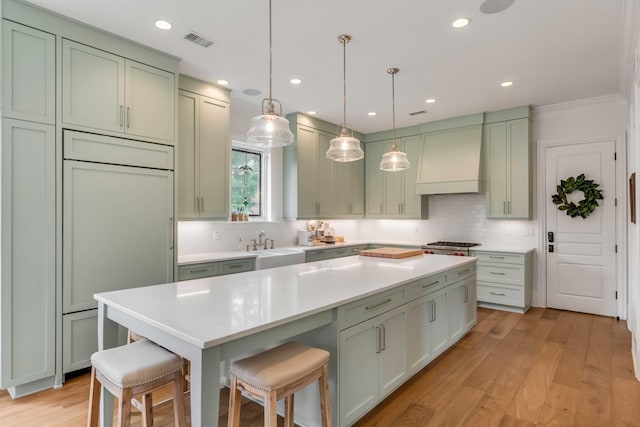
[547,368]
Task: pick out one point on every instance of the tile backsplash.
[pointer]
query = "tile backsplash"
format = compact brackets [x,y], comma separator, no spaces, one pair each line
[454,217]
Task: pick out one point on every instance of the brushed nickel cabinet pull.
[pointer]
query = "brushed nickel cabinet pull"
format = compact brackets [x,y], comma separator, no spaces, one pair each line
[498,293]
[463,271]
[378,304]
[466,293]
[496,257]
[430,284]
[497,273]
[200,270]
[121,116]
[377,339]
[434,312]
[128,117]
[171,233]
[383,334]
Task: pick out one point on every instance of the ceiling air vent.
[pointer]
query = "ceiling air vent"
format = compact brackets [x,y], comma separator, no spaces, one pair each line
[198,39]
[415,113]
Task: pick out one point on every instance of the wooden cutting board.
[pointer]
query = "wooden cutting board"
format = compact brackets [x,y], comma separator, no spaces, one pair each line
[394,253]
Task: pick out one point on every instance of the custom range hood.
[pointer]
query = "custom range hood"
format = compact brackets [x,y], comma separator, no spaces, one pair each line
[451,161]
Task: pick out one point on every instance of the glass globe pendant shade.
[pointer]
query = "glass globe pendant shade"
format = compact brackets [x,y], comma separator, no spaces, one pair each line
[394,161]
[269,130]
[344,148]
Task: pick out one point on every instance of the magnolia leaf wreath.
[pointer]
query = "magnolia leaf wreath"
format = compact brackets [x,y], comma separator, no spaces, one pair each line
[585,206]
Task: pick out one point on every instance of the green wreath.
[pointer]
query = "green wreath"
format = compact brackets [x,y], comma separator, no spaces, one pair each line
[585,206]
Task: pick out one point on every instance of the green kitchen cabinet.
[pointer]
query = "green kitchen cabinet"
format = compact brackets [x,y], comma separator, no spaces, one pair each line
[126,97]
[28,290]
[393,194]
[28,70]
[314,186]
[508,168]
[204,152]
[215,268]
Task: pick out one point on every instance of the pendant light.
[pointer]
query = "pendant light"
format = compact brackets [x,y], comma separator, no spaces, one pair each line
[344,147]
[394,160]
[270,129]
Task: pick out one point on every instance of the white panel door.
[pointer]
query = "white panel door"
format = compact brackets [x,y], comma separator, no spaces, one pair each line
[581,274]
[117,230]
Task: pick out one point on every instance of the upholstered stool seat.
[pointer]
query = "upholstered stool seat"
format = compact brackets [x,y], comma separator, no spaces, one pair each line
[134,369]
[276,374]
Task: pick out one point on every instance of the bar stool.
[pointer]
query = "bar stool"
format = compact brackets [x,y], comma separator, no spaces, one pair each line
[276,374]
[135,369]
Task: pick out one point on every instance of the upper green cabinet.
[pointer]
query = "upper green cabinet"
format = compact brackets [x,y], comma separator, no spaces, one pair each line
[508,166]
[28,73]
[106,92]
[204,151]
[314,186]
[393,194]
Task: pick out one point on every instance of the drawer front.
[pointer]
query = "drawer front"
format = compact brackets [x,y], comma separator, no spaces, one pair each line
[500,257]
[426,285]
[236,266]
[196,271]
[462,272]
[341,252]
[359,311]
[355,250]
[501,294]
[502,273]
[319,255]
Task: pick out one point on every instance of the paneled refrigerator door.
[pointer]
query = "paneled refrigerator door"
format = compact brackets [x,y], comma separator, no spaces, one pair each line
[117,230]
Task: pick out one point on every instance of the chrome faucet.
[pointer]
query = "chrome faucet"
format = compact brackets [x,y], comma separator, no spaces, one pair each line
[259,243]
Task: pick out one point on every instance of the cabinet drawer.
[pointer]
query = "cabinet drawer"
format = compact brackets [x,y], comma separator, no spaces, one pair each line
[462,272]
[502,273]
[196,271]
[319,255]
[501,294]
[341,252]
[426,285]
[361,310]
[236,266]
[501,257]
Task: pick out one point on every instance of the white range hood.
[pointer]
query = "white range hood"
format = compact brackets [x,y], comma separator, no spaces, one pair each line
[451,162]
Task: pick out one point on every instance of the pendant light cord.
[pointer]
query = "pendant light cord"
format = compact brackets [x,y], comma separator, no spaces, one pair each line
[270,107]
[344,81]
[394,146]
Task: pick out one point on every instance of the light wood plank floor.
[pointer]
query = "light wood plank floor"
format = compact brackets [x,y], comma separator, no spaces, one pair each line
[547,368]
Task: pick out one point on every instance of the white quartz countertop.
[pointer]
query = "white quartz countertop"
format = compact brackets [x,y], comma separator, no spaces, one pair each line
[210,311]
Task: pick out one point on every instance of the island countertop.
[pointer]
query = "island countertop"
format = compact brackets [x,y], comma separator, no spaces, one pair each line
[211,311]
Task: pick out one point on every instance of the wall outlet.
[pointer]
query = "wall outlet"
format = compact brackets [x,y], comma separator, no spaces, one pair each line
[216,235]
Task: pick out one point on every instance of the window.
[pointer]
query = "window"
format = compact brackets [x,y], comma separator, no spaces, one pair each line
[246,182]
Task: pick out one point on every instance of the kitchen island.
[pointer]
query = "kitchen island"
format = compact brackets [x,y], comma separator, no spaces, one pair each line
[214,319]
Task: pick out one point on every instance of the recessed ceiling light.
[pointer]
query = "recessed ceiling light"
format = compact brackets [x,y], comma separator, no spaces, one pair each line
[163,25]
[430,100]
[506,84]
[312,113]
[295,81]
[372,113]
[223,82]
[460,22]
[251,92]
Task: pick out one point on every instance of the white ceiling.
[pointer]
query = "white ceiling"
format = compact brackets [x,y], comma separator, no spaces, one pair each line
[554,50]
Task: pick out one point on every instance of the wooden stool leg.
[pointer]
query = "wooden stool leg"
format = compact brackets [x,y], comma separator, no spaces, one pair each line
[270,409]
[94,400]
[147,410]
[325,398]
[124,412]
[288,411]
[234,403]
[178,399]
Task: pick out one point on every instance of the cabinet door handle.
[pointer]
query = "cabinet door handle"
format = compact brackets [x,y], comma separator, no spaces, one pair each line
[383,341]
[430,284]
[433,311]
[466,293]
[463,271]
[128,117]
[504,207]
[199,270]
[234,266]
[171,233]
[498,293]
[497,273]
[121,116]
[378,304]
[377,339]
[496,257]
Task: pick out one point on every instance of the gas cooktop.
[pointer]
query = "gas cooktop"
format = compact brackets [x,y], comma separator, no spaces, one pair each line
[451,244]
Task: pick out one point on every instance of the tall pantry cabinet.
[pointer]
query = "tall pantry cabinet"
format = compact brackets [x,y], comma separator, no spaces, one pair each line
[54,127]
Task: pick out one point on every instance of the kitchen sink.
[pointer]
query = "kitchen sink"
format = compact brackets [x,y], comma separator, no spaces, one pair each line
[270,258]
